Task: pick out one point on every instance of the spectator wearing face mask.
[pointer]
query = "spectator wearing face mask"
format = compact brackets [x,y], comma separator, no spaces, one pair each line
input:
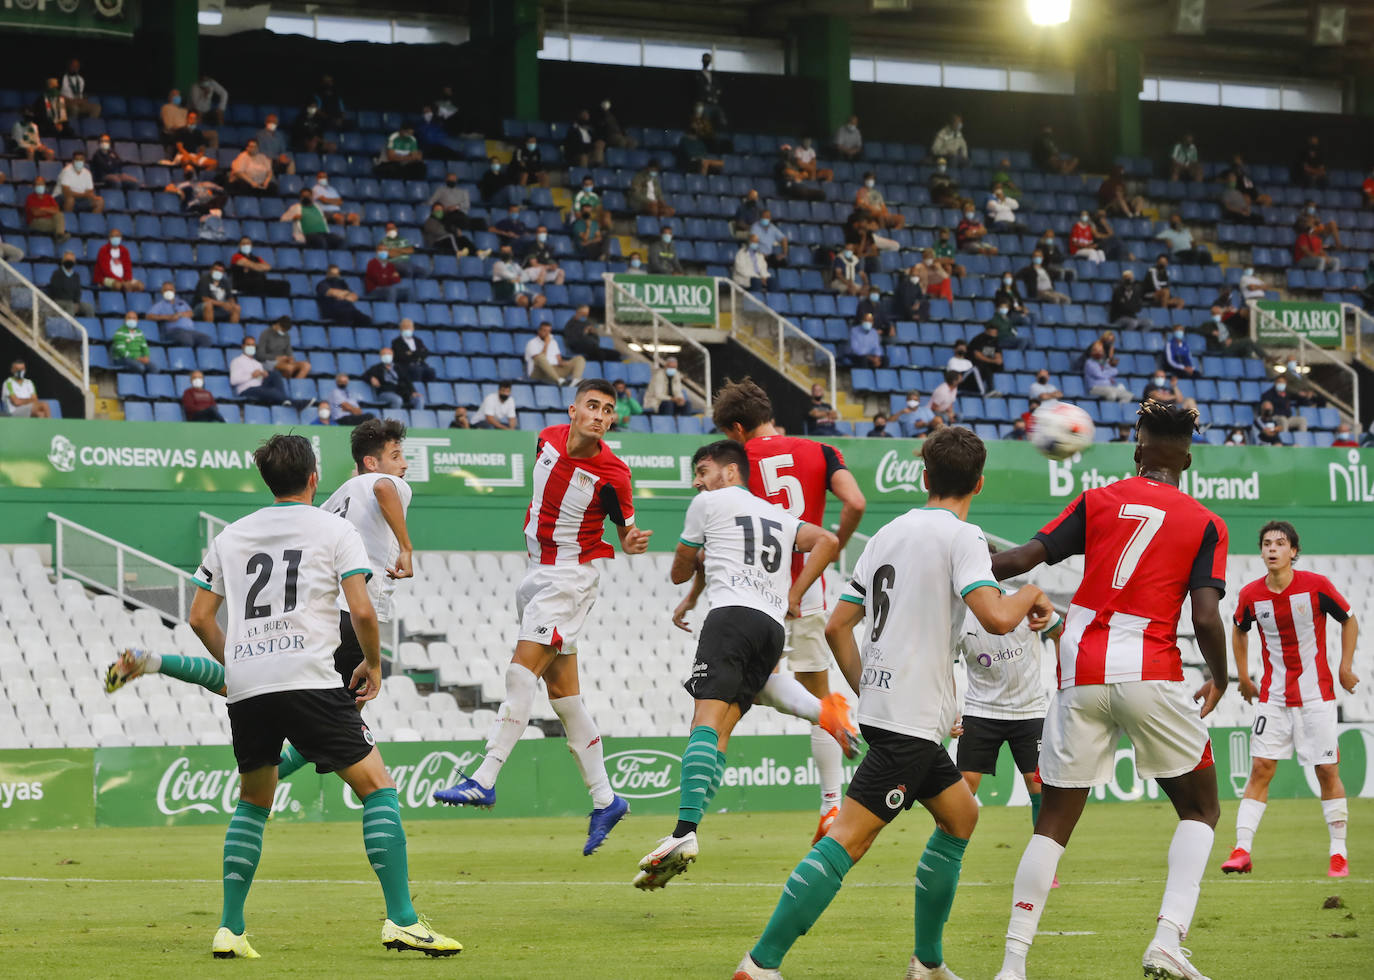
[944,401]
[1164,388]
[1128,296]
[879,430]
[114,266]
[174,315]
[382,280]
[275,350]
[949,142]
[985,350]
[310,225]
[251,173]
[942,187]
[634,265]
[323,415]
[588,199]
[1308,250]
[1043,390]
[865,345]
[944,254]
[932,276]
[454,203]
[581,148]
[411,354]
[129,347]
[773,241]
[544,360]
[73,89]
[498,410]
[344,410]
[873,305]
[580,335]
[971,234]
[1284,405]
[495,185]
[970,380]
[78,186]
[1267,431]
[1234,437]
[197,403]
[26,141]
[849,140]
[540,260]
[1007,336]
[438,235]
[1251,285]
[590,235]
[847,275]
[1083,240]
[871,202]
[626,405]
[1156,286]
[1001,210]
[1345,437]
[1221,339]
[42,213]
[388,387]
[197,196]
[510,281]
[214,292]
[751,267]
[913,418]
[609,130]
[646,193]
[252,381]
[1177,356]
[64,285]
[527,164]
[249,273]
[1180,243]
[185,146]
[209,98]
[20,396]
[401,252]
[328,199]
[307,131]
[1054,257]
[1035,281]
[909,299]
[663,258]
[272,142]
[665,394]
[1100,376]
[401,158]
[337,302]
[107,165]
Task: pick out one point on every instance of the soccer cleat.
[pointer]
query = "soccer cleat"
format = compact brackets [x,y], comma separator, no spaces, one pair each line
[467,793]
[666,862]
[1170,963]
[602,822]
[227,946]
[823,828]
[749,970]
[420,937]
[919,971]
[835,720]
[126,667]
[1239,861]
[1340,867]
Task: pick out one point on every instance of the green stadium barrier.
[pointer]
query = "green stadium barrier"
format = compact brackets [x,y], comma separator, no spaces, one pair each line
[198,785]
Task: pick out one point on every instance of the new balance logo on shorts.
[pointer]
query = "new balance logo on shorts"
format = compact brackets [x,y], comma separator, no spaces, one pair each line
[542,630]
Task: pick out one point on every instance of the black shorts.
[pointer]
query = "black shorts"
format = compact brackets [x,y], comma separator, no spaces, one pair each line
[982,741]
[738,649]
[898,770]
[349,653]
[322,725]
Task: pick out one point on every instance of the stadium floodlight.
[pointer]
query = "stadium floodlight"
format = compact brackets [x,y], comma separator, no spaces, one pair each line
[1048,13]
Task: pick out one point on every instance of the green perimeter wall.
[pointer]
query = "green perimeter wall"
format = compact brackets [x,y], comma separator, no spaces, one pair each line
[145,483]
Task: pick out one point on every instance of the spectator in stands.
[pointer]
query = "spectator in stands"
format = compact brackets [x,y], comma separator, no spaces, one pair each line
[708,93]
[792,181]
[944,254]
[1177,354]
[401,251]
[944,401]
[870,201]
[331,105]
[511,229]
[1164,388]
[186,144]
[949,142]
[1111,195]
[865,345]
[1007,335]
[969,378]
[1083,241]
[323,414]
[804,157]
[1099,376]
[527,164]
[933,276]
[438,235]
[129,347]
[1327,229]
[174,315]
[820,412]
[498,410]
[626,407]
[432,136]
[971,234]
[1104,235]
[1156,286]
[42,213]
[663,258]
[873,304]
[273,145]
[210,99]
[215,292]
[198,196]
[909,300]
[646,193]
[1345,436]
[382,280]
[1267,428]
[1308,250]
[608,128]
[411,354]
[913,418]
[879,430]
[1244,182]
[773,241]
[581,148]
[275,350]
[1128,296]
[826,425]
[847,275]
[73,89]
[456,203]
[1251,285]
[1179,241]
[198,404]
[21,399]
[1002,211]
[1002,175]
[1183,161]
[943,188]
[1047,155]
[50,112]
[172,116]
[1309,169]
[1009,295]
[337,303]
[460,418]
[849,141]
[253,382]
[541,261]
[106,164]
[699,143]
[343,410]
[1221,339]
[388,387]
[1054,257]
[544,361]
[509,281]
[64,285]
[307,131]
[251,173]
[1035,281]
[1043,390]
[580,335]
[78,184]
[114,266]
[249,273]
[1284,406]
[401,158]
[26,141]
[665,394]
[492,185]
[751,270]
[589,235]
[1236,206]
[588,197]
[751,207]
[309,224]
[635,265]
[985,350]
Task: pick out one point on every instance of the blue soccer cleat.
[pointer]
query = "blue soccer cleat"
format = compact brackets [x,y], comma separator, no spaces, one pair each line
[602,822]
[467,793]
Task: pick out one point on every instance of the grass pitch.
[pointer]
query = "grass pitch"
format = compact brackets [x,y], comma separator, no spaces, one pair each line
[525,903]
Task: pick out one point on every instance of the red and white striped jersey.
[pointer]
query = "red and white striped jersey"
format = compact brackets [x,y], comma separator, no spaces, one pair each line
[1147,545]
[1292,629]
[572,498]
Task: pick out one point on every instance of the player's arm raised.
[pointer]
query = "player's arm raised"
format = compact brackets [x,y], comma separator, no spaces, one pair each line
[203,622]
[821,547]
[1350,635]
[389,502]
[839,634]
[1240,647]
[1211,642]
[364,616]
[852,504]
[1000,614]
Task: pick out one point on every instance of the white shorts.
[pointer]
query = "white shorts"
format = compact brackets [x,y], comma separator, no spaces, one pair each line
[806,648]
[553,601]
[1309,731]
[1084,726]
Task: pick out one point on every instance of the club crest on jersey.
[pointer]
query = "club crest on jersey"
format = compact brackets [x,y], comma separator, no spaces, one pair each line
[585,480]
[367,736]
[896,798]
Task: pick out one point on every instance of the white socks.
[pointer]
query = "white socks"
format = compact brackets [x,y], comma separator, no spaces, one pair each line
[584,742]
[1248,817]
[785,693]
[1188,853]
[509,724]
[1034,876]
[830,764]
[1336,813]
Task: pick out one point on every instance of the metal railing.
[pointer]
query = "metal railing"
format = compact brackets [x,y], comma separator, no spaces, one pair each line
[112,567]
[213,525]
[656,326]
[36,331]
[789,345]
[1307,354]
[1361,327]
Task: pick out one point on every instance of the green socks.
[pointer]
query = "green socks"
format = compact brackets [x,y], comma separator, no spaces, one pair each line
[385,841]
[242,849]
[715,781]
[1035,808]
[208,673]
[700,761]
[937,876]
[807,892]
[290,761]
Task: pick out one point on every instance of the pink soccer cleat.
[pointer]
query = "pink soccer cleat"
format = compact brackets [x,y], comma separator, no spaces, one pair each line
[1239,861]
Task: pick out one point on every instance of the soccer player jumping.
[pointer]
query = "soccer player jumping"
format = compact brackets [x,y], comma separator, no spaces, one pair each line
[1297,699]
[1148,545]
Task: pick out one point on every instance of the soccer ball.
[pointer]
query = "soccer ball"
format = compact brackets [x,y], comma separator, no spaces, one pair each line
[1059,430]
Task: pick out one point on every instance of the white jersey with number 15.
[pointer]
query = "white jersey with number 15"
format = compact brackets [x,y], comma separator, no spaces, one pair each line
[356,502]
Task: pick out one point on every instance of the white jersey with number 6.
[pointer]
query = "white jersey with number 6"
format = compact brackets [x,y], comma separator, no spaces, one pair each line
[279,570]
[356,502]
[748,545]
[911,580]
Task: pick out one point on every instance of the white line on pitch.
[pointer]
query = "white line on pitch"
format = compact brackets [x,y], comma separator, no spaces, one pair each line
[1251,882]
